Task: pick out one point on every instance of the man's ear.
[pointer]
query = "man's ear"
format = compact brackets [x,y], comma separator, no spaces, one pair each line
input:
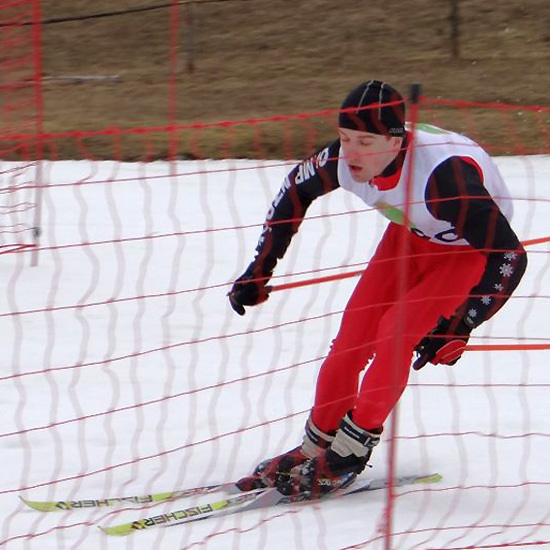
[397,142]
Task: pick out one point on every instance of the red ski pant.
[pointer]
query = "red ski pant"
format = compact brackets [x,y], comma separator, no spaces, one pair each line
[393,306]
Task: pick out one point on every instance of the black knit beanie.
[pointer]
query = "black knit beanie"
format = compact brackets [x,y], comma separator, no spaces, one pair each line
[370,112]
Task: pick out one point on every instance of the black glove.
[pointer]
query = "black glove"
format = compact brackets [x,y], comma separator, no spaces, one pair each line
[444,344]
[249,289]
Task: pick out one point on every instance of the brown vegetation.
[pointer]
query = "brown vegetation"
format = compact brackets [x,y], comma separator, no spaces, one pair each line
[259,58]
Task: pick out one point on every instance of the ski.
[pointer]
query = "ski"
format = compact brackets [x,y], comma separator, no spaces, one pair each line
[58,505]
[256,499]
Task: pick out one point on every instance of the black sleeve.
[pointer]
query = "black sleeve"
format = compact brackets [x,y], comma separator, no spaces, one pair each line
[455,193]
[315,176]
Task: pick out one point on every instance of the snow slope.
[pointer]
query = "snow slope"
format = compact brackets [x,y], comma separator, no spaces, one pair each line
[118,377]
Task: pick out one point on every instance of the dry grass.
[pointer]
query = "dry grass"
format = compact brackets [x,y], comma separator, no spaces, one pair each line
[258,58]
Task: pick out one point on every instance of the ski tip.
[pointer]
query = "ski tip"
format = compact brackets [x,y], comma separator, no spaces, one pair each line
[37,505]
[117,530]
[433,478]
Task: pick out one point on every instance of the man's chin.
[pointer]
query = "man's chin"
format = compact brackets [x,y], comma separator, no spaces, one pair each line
[359,177]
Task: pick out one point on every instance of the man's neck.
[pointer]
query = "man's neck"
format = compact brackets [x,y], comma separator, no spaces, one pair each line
[389,178]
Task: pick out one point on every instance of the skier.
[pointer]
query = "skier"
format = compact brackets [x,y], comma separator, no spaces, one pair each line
[449,217]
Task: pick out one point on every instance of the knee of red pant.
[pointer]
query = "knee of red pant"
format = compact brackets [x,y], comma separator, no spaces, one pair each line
[355,355]
[397,335]
[393,352]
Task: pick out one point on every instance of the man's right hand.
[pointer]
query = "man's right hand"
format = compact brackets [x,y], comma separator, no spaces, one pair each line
[250,289]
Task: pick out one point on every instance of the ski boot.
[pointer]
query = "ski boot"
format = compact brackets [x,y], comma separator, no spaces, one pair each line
[334,467]
[275,471]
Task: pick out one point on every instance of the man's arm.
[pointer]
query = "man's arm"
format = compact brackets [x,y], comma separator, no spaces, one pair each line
[455,193]
[312,178]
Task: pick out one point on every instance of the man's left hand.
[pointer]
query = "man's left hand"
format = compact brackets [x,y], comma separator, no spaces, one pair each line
[444,344]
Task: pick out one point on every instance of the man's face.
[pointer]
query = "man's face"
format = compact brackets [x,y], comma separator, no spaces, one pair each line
[367,155]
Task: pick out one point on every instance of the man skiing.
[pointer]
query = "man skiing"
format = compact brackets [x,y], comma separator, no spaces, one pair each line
[447,262]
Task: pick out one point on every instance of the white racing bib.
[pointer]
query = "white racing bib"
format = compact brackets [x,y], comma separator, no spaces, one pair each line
[431,146]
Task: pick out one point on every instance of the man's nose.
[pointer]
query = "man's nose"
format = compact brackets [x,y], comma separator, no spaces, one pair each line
[351,153]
